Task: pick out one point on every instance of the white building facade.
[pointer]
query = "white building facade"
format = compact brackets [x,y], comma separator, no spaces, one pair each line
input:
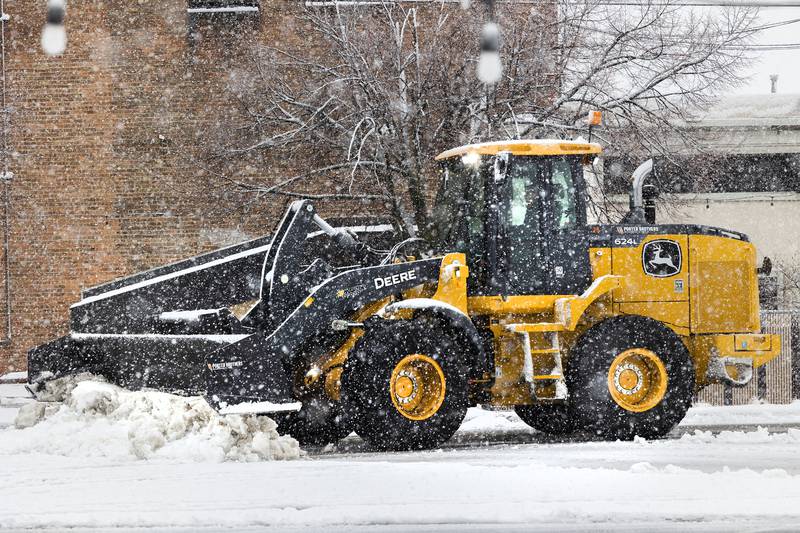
[748,180]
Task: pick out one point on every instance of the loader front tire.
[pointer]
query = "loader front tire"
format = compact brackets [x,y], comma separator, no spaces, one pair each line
[630,376]
[404,385]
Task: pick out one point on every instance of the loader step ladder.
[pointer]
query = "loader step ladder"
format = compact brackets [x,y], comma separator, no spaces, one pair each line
[555,376]
[567,312]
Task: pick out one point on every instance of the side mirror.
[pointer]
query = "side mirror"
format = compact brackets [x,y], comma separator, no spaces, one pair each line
[501,161]
[766,267]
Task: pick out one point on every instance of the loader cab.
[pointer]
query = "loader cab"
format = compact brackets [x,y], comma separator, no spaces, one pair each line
[518,210]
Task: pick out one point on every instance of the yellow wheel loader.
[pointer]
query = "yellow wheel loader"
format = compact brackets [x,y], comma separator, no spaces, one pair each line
[512,300]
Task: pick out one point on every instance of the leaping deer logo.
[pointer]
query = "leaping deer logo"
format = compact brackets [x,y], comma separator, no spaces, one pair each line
[658,260]
[662,258]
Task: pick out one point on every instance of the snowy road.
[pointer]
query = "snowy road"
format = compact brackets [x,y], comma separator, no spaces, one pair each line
[496,475]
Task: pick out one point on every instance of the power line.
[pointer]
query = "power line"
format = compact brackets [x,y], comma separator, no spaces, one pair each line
[640,3]
[775,25]
[685,39]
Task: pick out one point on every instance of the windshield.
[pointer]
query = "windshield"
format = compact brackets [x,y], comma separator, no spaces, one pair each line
[531,179]
[457,218]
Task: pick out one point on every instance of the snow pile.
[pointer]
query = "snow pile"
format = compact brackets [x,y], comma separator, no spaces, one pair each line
[760,436]
[58,390]
[480,420]
[102,420]
[702,414]
[14,377]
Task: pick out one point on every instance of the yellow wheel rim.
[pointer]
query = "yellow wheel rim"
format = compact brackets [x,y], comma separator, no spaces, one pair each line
[637,380]
[417,386]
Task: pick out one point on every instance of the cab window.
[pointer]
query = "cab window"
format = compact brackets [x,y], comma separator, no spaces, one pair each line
[523,205]
[565,210]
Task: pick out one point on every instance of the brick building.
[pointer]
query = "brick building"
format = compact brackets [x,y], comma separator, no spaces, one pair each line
[102,143]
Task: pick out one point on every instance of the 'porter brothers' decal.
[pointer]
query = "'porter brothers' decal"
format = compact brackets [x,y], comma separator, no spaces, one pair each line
[661,258]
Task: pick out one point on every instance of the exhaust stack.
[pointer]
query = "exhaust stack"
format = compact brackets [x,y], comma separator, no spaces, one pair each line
[639,213]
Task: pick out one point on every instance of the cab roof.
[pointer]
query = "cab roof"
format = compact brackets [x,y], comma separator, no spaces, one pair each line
[524,147]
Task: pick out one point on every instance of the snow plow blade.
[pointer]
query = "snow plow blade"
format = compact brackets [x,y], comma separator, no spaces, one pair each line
[248,377]
[154,329]
[173,363]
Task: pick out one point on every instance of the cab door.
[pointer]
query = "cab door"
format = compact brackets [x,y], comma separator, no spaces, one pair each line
[521,254]
[565,242]
[545,247]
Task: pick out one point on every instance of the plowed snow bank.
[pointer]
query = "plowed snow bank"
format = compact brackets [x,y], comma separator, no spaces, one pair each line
[102,420]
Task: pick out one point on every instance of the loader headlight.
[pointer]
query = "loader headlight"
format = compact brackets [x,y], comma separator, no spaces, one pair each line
[312,376]
[471,159]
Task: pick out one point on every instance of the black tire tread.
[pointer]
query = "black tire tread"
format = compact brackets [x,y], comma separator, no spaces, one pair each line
[556,419]
[588,369]
[366,376]
[317,423]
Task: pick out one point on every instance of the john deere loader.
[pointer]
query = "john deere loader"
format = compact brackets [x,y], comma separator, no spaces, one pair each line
[512,300]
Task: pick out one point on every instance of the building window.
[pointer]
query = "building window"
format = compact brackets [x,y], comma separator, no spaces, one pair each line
[208,8]
[732,173]
[208,17]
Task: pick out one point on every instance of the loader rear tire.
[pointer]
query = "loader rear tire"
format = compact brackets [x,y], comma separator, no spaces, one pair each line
[630,376]
[404,385]
[553,419]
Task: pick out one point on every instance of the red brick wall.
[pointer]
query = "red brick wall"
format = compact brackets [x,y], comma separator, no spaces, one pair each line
[104,142]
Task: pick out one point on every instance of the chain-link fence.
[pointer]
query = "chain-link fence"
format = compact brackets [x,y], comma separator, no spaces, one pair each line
[775,382]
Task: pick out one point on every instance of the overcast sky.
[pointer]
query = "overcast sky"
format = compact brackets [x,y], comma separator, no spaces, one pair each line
[784,63]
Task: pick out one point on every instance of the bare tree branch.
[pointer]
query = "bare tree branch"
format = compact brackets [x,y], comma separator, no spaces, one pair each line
[386,86]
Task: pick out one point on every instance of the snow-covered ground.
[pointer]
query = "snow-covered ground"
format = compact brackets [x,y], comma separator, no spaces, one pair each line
[12,397]
[724,468]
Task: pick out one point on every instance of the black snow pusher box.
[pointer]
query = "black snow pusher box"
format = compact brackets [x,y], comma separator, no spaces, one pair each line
[228,324]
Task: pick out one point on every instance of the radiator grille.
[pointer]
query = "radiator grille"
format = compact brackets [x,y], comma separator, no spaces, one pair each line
[776,376]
